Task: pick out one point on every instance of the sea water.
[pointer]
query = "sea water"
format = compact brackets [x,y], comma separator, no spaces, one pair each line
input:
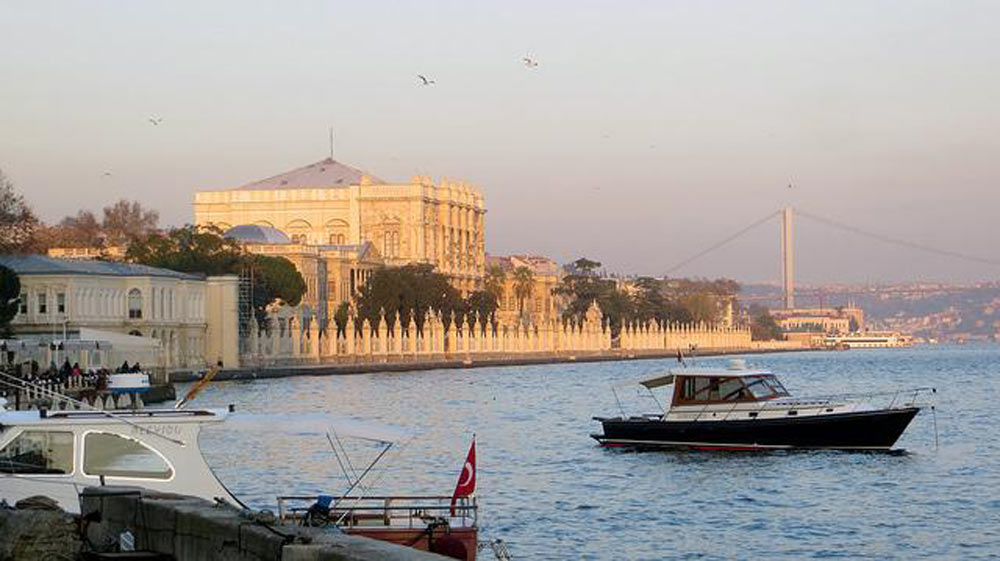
[548,490]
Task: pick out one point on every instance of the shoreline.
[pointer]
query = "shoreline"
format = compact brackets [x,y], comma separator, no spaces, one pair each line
[348,369]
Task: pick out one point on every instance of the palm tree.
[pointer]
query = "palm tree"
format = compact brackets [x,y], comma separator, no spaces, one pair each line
[494,280]
[524,280]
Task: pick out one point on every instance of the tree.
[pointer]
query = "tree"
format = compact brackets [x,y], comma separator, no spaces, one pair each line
[126,221]
[189,249]
[494,281]
[82,230]
[10,298]
[702,306]
[408,291]
[17,222]
[275,279]
[482,303]
[762,325]
[193,249]
[583,266]
[524,282]
[581,286]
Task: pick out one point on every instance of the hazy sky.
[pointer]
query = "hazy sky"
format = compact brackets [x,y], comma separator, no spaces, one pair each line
[649,130]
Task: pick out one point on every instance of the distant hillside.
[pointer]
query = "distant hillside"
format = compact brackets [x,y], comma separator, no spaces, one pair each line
[943,312]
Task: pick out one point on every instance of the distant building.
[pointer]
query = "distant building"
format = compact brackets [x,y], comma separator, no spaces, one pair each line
[541,305]
[192,317]
[331,204]
[332,273]
[112,253]
[820,320]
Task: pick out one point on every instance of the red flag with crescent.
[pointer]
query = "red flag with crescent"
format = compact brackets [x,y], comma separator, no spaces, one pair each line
[467,479]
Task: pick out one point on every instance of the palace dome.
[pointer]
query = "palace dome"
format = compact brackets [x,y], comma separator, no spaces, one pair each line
[254,233]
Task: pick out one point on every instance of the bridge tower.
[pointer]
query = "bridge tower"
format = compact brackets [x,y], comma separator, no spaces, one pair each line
[788,257]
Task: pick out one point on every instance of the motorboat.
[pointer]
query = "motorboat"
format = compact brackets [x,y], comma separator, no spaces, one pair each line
[59,453]
[737,408]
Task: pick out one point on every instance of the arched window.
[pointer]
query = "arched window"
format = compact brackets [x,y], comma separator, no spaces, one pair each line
[135,304]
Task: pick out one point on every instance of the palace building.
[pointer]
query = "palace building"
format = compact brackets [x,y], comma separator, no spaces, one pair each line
[190,319]
[329,208]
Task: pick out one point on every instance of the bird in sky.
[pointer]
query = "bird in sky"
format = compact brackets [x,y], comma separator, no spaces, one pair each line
[107,174]
[530,62]
[424,81]
[155,120]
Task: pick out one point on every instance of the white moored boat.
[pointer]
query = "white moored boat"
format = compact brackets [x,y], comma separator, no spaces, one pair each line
[59,453]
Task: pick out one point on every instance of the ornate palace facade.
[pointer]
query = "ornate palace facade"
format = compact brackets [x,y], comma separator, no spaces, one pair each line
[332,204]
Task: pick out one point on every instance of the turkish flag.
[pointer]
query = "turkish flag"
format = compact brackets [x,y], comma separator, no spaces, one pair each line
[467,479]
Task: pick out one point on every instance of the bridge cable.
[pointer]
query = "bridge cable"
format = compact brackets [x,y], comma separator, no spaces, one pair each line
[719,244]
[896,241]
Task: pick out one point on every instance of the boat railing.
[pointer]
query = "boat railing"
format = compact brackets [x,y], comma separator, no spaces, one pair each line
[891,399]
[371,512]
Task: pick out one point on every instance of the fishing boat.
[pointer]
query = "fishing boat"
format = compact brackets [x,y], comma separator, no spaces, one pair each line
[737,408]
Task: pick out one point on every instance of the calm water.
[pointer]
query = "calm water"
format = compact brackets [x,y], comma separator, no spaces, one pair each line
[551,493]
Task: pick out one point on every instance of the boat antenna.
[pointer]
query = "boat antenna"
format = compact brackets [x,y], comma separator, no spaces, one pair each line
[618,401]
[934,416]
[24,384]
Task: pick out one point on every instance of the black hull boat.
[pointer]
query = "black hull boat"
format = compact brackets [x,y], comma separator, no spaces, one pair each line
[866,430]
[740,409]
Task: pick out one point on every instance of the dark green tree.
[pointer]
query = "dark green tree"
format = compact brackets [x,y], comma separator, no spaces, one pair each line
[483,303]
[10,298]
[275,279]
[193,249]
[410,290]
[762,325]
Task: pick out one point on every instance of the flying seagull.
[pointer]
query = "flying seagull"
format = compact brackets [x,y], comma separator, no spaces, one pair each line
[530,62]
[156,120]
[425,81]
[107,174]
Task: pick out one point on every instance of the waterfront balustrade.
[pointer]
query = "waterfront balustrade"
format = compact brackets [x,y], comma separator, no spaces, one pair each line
[291,335]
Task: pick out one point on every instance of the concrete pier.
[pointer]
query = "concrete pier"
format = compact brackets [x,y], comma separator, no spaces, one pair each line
[181,527]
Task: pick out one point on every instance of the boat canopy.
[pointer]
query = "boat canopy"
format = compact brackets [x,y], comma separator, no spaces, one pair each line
[658,381]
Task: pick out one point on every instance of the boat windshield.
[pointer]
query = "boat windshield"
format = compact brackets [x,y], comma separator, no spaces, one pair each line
[765,387]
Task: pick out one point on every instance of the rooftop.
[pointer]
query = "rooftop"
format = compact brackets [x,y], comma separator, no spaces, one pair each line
[254,233]
[42,265]
[324,174]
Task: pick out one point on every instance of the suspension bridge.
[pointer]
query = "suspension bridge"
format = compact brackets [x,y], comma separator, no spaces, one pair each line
[786,217]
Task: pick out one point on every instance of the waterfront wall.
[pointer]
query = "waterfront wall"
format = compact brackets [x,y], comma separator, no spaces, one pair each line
[196,530]
[291,337]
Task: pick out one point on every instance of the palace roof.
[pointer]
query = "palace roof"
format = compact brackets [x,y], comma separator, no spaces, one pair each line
[255,233]
[42,265]
[324,174]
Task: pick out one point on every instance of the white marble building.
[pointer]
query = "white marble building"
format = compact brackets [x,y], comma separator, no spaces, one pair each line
[193,318]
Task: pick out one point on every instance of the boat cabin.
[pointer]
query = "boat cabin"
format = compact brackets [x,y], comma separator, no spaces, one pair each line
[730,388]
[58,453]
[714,386]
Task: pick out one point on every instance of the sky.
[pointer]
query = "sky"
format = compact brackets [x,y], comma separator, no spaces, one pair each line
[648,132]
